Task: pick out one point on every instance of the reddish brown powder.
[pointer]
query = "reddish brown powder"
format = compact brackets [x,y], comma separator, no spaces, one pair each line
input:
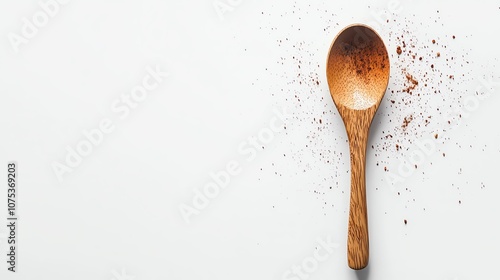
[406,122]
[411,83]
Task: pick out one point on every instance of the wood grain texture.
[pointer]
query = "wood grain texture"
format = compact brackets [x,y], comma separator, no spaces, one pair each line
[356,123]
[358,74]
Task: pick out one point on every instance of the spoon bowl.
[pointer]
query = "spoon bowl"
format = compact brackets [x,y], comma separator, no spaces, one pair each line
[358,73]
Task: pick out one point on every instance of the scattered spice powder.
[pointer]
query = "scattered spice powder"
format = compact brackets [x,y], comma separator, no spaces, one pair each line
[301,74]
[406,122]
[412,85]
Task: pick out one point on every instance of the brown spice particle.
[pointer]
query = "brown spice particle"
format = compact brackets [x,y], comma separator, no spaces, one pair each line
[407,121]
[411,79]
[438,54]
[433,41]
[398,50]
[436,136]
[412,83]
[406,222]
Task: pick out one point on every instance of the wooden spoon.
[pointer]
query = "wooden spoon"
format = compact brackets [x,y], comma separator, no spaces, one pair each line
[358,73]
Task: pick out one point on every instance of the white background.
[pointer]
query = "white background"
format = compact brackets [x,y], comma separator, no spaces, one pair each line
[116,215]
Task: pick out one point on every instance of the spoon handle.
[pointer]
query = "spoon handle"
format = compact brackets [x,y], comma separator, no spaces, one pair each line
[357,242]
